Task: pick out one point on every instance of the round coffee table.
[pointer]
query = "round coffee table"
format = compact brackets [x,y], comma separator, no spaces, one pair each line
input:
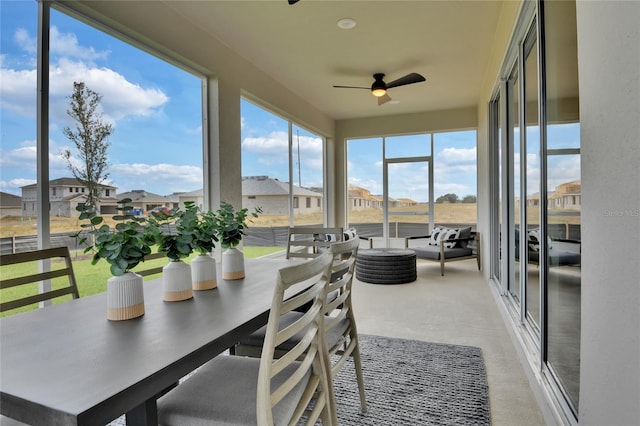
[386,266]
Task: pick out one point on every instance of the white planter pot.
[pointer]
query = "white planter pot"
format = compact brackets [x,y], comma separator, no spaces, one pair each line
[176,281]
[125,297]
[232,264]
[203,272]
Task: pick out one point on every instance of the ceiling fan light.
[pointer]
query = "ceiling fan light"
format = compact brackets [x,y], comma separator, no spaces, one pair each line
[378,91]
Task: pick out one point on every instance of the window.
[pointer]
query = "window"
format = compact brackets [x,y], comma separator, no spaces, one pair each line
[537,150]
[53,191]
[308,202]
[296,203]
[107,192]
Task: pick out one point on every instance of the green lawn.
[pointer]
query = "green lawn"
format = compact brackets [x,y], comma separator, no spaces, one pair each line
[91,279]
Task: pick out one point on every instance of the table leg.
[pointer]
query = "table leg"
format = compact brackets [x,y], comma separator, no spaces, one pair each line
[145,414]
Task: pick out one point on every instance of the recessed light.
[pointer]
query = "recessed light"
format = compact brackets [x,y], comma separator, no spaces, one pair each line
[346,23]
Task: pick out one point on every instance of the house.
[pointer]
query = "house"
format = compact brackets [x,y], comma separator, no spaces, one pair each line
[566,196]
[272,195]
[10,205]
[179,198]
[145,201]
[500,67]
[65,194]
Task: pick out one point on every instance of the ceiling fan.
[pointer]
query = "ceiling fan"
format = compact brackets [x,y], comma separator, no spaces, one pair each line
[379,87]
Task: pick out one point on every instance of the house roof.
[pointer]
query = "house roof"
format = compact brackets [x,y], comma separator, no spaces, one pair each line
[66,181]
[10,200]
[140,195]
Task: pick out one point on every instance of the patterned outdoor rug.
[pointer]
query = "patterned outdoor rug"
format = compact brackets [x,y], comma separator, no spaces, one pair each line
[409,382]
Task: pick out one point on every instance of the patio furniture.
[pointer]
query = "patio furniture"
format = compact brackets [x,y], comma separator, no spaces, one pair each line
[449,245]
[95,370]
[386,266]
[340,329]
[52,254]
[224,390]
[310,241]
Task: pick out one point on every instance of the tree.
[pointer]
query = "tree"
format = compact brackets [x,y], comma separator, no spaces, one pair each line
[469,199]
[90,137]
[447,198]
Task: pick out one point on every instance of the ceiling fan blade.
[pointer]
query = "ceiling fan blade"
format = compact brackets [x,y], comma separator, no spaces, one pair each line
[407,79]
[352,87]
[383,99]
[293,1]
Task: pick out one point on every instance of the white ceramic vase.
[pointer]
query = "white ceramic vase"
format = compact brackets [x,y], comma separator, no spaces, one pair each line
[125,297]
[176,281]
[232,264]
[203,272]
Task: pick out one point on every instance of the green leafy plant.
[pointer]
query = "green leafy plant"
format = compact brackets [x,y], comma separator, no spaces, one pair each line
[231,224]
[123,246]
[181,232]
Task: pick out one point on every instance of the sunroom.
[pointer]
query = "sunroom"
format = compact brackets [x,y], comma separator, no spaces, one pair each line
[541,95]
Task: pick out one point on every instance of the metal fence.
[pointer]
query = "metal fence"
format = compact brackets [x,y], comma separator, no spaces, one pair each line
[276,235]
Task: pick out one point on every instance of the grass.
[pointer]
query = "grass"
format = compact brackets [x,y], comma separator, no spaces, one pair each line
[91,279]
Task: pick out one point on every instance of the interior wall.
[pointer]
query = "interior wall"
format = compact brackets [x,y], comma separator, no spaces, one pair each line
[609,76]
[432,121]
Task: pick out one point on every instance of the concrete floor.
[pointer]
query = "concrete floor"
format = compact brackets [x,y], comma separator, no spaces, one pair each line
[460,309]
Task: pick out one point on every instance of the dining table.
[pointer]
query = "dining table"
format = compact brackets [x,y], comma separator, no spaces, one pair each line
[66,364]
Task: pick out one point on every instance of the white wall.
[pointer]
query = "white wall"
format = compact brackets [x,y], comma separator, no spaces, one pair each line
[609,76]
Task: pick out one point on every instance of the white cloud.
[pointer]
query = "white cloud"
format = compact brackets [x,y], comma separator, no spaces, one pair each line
[160,178]
[121,98]
[13,185]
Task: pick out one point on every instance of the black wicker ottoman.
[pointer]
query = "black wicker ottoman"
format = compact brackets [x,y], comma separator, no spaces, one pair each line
[386,266]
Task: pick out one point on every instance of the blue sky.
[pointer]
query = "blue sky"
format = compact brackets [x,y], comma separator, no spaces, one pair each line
[155,109]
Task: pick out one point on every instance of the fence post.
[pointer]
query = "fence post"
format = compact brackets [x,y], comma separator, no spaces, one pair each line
[13,244]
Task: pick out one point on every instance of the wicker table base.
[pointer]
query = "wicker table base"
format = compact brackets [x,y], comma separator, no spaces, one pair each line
[386,266]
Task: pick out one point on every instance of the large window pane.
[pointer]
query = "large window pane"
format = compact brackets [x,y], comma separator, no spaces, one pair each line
[455,178]
[364,178]
[563,209]
[532,178]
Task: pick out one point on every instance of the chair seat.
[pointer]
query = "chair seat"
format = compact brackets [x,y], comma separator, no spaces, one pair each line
[225,389]
[433,252]
[332,336]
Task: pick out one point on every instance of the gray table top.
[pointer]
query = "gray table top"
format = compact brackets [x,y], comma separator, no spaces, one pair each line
[67,364]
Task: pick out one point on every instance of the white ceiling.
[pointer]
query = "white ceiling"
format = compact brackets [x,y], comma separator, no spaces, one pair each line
[446,41]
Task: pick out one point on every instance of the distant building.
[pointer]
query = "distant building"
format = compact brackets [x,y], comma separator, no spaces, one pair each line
[10,205]
[272,196]
[147,201]
[179,198]
[566,196]
[65,194]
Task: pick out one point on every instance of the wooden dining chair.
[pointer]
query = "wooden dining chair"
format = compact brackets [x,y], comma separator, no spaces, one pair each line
[266,391]
[28,296]
[341,334]
[309,241]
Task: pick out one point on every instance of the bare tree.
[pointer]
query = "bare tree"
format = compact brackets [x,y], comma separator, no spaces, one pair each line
[90,137]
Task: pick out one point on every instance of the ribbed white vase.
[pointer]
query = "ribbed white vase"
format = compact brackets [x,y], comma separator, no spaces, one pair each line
[203,272]
[125,297]
[232,264]
[176,281]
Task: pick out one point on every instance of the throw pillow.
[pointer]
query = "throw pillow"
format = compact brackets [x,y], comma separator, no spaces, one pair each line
[451,234]
[435,236]
[533,239]
[349,234]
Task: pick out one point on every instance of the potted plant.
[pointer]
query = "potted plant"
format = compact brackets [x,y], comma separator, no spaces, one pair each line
[230,226]
[124,246]
[173,232]
[202,226]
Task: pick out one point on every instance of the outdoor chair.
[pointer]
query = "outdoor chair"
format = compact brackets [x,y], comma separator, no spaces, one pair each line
[27,283]
[266,391]
[449,245]
[308,241]
[339,322]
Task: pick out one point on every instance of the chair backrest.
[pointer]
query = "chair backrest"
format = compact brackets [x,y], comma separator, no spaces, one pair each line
[342,272]
[20,283]
[305,367]
[142,271]
[309,242]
